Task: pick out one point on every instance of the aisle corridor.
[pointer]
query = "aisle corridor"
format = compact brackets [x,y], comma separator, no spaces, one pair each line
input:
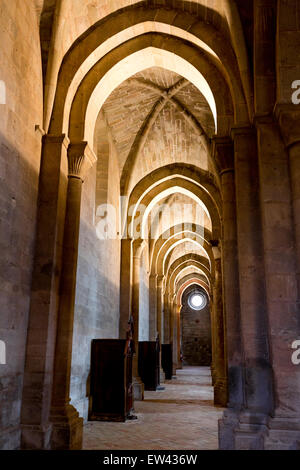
[180,417]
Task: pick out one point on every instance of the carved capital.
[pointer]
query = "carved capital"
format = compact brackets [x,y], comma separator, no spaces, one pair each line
[160,281]
[216,249]
[80,159]
[288,117]
[223,154]
[216,252]
[138,246]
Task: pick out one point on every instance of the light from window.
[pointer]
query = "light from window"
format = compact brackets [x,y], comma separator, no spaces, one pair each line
[197,301]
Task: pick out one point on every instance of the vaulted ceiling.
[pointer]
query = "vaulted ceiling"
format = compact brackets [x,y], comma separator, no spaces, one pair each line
[171,121]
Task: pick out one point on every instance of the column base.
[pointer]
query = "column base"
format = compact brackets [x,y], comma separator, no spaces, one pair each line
[226,427]
[220,393]
[67,429]
[283,434]
[138,389]
[242,431]
[10,438]
[162,376]
[35,437]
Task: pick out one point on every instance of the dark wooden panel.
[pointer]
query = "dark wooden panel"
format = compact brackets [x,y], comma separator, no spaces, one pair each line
[111,380]
[149,364]
[167,360]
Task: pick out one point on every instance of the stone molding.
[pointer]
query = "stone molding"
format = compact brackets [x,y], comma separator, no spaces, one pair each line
[61,139]
[138,246]
[242,131]
[39,130]
[223,154]
[288,118]
[160,280]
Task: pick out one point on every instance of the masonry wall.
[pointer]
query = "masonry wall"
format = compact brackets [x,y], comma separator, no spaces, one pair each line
[196,335]
[20,150]
[98,286]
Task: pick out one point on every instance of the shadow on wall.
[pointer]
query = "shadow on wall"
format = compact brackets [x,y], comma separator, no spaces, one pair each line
[97,301]
[97,297]
[18,204]
[92,320]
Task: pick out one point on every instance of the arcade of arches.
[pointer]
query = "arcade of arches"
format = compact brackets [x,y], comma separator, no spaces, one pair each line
[150,165]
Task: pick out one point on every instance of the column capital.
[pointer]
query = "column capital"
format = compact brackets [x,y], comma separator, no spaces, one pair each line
[160,280]
[223,153]
[216,249]
[80,159]
[138,246]
[237,131]
[61,139]
[39,130]
[288,118]
[126,240]
[153,276]
[216,252]
[166,289]
[166,292]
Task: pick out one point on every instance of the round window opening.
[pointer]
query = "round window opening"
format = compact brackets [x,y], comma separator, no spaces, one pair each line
[197,301]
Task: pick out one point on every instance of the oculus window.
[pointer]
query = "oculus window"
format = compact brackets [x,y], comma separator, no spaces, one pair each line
[197,301]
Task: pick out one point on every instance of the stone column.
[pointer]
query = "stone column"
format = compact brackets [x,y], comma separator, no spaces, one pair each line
[172,328]
[170,304]
[152,307]
[220,386]
[280,196]
[166,318]
[174,333]
[254,326]
[125,286]
[178,324]
[138,386]
[288,116]
[38,376]
[213,339]
[223,152]
[160,317]
[67,426]
[264,15]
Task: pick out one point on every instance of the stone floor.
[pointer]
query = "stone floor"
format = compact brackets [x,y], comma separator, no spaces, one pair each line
[182,417]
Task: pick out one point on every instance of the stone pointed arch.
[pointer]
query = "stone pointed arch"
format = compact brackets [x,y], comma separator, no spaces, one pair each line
[189,259]
[189,172]
[110,31]
[170,185]
[188,281]
[190,271]
[158,262]
[178,233]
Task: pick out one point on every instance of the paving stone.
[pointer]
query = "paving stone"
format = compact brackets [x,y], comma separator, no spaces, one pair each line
[182,416]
